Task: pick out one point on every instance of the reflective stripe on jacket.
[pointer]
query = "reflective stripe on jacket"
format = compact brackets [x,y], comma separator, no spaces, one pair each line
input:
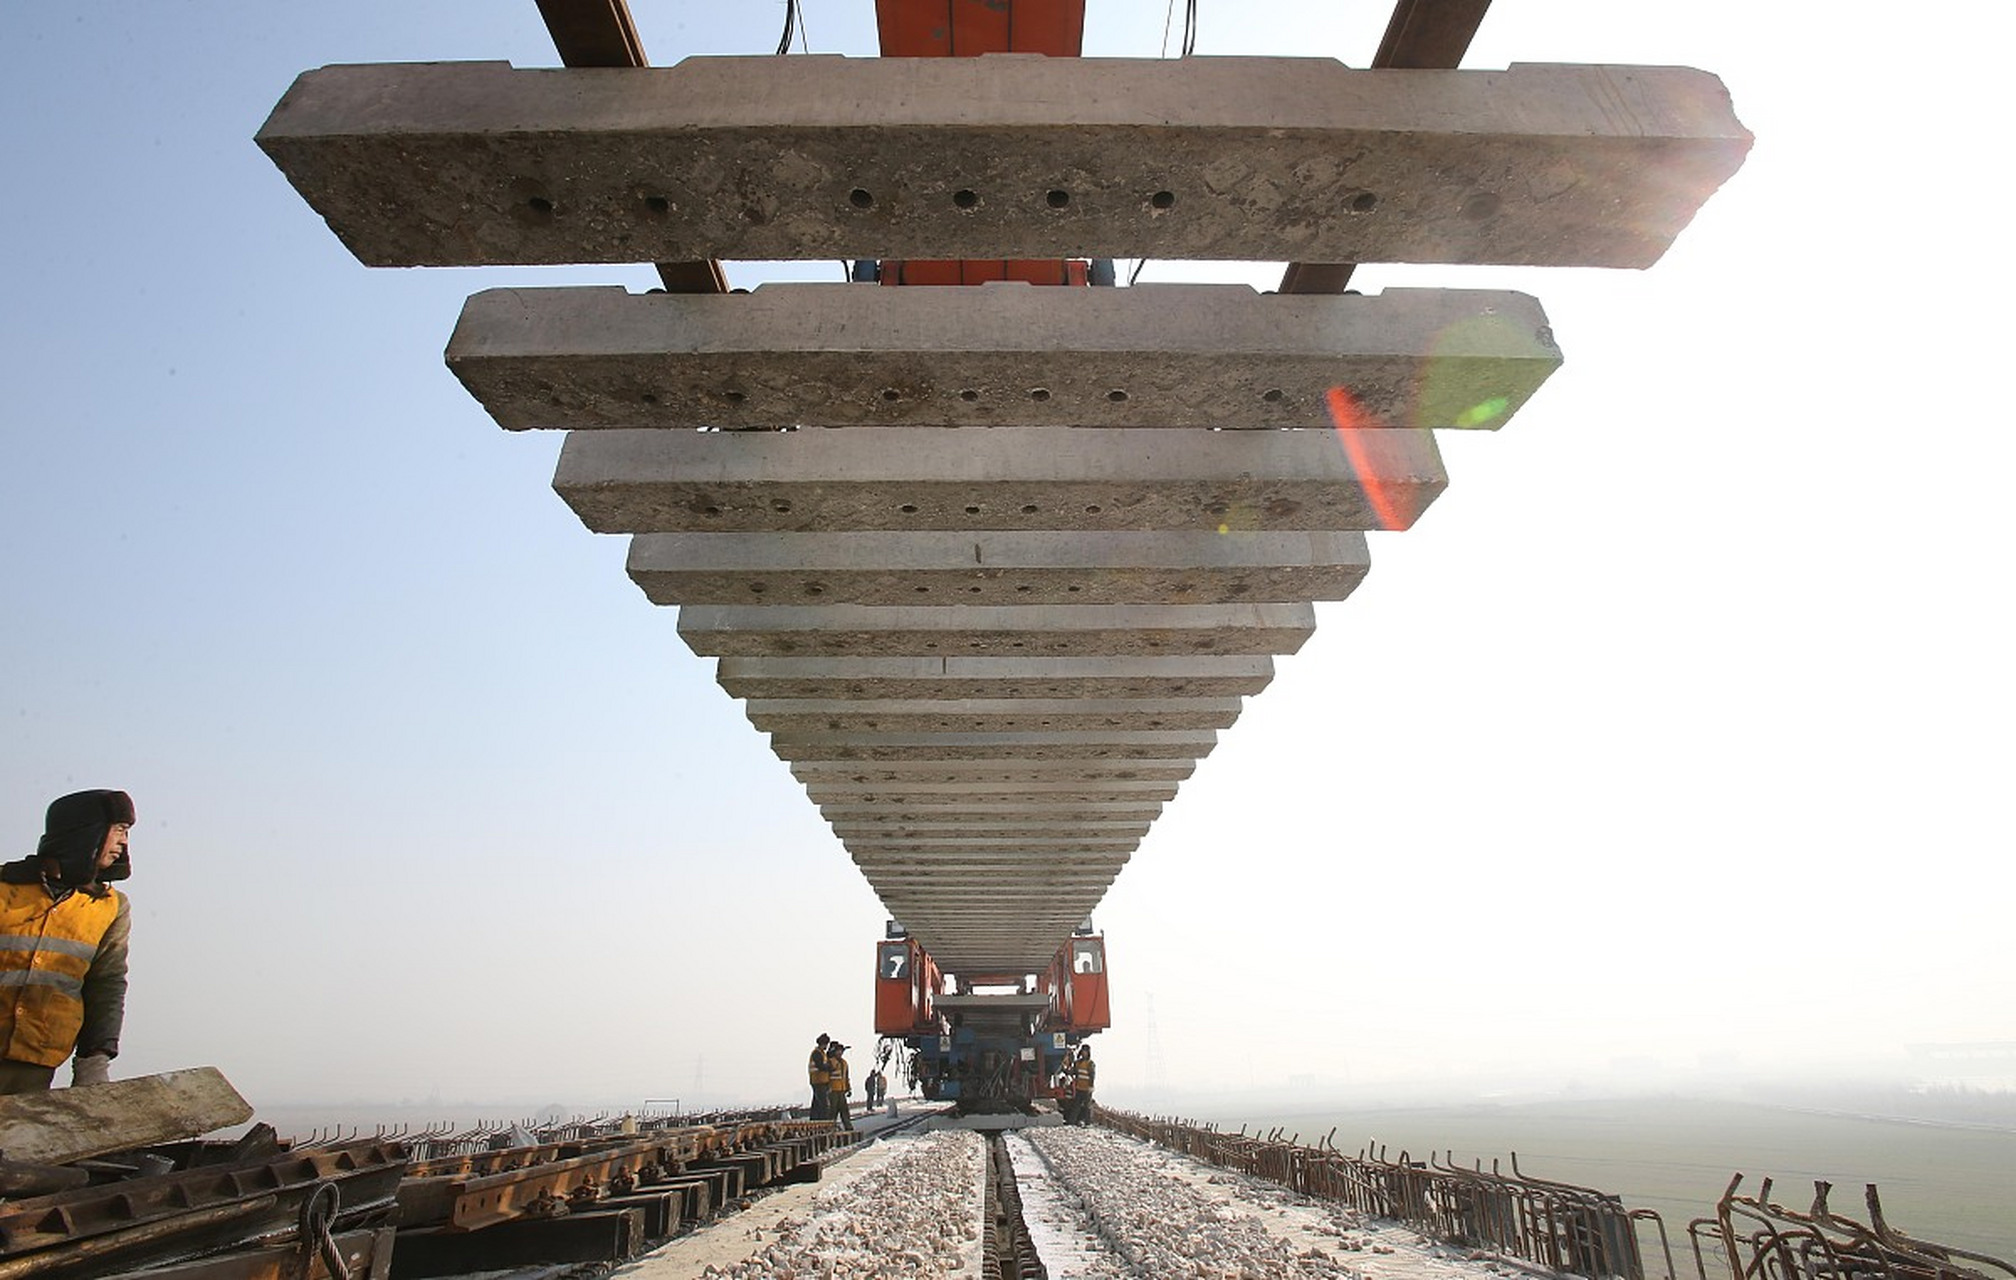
[837,1080]
[815,1066]
[46,950]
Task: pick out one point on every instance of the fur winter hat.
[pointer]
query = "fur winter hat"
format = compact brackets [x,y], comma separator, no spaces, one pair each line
[74,831]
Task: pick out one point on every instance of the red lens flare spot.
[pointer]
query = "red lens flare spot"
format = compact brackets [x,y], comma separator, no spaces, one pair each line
[1389,504]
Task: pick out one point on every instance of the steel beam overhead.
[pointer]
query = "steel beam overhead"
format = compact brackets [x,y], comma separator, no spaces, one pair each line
[1012,478]
[1157,355]
[1191,566]
[600,33]
[1250,159]
[1214,676]
[1421,35]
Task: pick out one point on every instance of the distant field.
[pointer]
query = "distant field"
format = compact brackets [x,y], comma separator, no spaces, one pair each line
[1953,1185]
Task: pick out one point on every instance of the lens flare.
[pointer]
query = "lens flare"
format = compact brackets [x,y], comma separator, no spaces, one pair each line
[1479,414]
[1390,508]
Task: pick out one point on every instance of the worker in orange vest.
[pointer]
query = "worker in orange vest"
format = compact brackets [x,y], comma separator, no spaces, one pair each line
[1084,1073]
[820,1076]
[839,1084]
[63,937]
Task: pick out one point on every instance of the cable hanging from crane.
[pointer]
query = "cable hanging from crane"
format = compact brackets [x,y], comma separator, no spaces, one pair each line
[1189,47]
[790,25]
[1189,27]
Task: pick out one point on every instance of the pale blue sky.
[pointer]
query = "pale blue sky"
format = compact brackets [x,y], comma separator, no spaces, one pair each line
[1679,726]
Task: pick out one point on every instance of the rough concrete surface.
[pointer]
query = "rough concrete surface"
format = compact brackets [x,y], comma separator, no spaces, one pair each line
[883,851]
[998,478]
[1003,790]
[979,797]
[1061,744]
[1050,567]
[1213,675]
[1089,630]
[896,811]
[860,818]
[966,774]
[988,715]
[1158,355]
[1027,828]
[1252,159]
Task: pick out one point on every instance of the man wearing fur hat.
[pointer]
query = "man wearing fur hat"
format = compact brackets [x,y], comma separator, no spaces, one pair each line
[63,945]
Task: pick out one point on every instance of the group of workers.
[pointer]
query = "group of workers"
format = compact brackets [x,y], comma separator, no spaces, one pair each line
[1074,1086]
[831,1083]
[63,932]
[827,1069]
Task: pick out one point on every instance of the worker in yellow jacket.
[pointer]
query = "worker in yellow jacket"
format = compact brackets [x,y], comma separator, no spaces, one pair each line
[816,1070]
[840,1083]
[1084,1074]
[63,935]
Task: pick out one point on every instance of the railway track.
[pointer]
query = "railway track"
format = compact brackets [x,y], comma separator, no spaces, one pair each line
[1010,1253]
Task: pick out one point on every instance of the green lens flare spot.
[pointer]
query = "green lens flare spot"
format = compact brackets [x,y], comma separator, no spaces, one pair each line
[1479,414]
